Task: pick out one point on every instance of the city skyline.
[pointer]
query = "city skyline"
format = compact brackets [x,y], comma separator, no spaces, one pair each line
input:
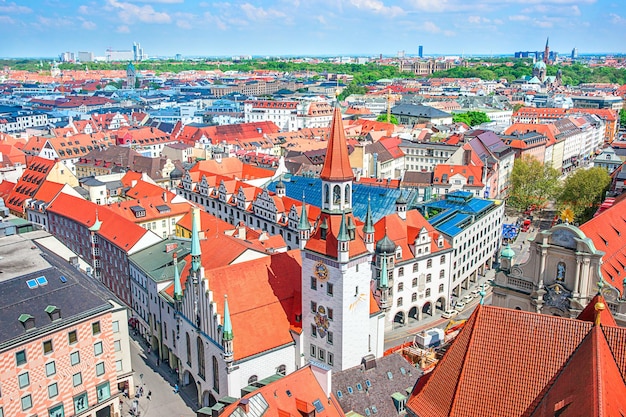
[324,27]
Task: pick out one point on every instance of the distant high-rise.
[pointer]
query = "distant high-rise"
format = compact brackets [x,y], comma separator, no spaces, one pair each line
[420,52]
[85,56]
[137,52]
[574,53]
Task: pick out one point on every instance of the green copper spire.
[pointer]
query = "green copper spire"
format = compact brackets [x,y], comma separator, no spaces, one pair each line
[227,333]
[369,222]
[178,289]
[384,275]
[304,224]
[343,233]
[195,238]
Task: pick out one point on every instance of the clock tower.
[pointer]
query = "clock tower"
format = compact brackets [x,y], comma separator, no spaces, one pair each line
[339,326]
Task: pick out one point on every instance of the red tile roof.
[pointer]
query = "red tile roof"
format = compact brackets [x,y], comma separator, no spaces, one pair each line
[291,395]
[28,184]
[329,246]
[263,299]
[337,163]
[465,171]
[608,233]
[506,362]
[589,313]
[231,167]
[209,224]
[116,229]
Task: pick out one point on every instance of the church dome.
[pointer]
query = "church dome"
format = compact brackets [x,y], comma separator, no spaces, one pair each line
[539,65]
[507,252]
[385,245]
[176,174]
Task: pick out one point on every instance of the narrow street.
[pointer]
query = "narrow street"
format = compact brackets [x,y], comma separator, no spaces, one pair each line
[160,382]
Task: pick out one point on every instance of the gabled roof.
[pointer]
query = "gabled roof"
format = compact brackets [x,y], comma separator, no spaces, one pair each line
[329,245]
[589,313]
[608,233]
[231,167]
[28,184]
[337,163]
[505,362]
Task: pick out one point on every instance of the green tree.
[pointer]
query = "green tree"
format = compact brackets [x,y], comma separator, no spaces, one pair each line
[383,118]
[622,118]
[352,88]
[471,118]
[532,183]
[583,192]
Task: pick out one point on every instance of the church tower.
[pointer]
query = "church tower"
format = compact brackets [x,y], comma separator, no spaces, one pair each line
[131,76]
[546,53]
[338,326]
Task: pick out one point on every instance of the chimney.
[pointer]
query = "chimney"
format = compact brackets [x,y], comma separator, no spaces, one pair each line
[467,157]
[244,405]
[133,183]
[323,375]
[165,196]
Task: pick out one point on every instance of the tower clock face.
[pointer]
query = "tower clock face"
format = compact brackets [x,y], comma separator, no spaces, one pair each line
[321,271]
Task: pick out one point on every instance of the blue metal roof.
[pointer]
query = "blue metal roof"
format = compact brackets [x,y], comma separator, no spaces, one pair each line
[455,209]
[383,200]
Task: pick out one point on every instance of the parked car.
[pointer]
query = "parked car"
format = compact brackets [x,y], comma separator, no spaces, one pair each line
[448,314]
[475,293]
[459,306]
[467,298]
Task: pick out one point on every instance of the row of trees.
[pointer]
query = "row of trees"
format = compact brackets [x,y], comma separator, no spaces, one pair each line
[471,118]
[535,184]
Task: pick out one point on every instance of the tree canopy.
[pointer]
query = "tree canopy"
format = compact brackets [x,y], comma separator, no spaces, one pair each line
[383,118]
[532,183]
[583,192]
[352,88]
[471,118]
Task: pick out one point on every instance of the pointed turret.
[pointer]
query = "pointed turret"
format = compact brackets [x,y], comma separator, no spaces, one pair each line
[368,228]
[342,240]
[195,238]
[337,164]
[304,227]
[227,333]
[178,289]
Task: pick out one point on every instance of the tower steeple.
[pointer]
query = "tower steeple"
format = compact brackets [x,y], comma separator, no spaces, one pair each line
[336,172]
[368,228]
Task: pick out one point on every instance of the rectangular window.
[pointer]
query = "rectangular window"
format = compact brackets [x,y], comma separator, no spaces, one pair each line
[100,368]
[103,391]
[77,379]
[330,358]
[329,289]
[330,313]
[321,354]
[81,403]
[27,402]
[118,366]
[313,351]
[72,337]
[51,368]
[47,347]
[314,283]
[53,390]
[75,358]
[330,338]
[56,411]
[116,326]
[313,330]
[95,328]
[117,345]
[313,307]
[20,357]
[97,348]
[23,380]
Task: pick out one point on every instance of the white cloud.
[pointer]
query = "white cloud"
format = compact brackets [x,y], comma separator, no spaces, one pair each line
[216,21]
[6,20]
[14,8]
[258,13]
[553,10]
[617,19]
[89,25]
[433,5]
[543,23]
[519,18]
[83,9]
[123,29]
[130,13]
[377,6]
[158,1]
[478,19]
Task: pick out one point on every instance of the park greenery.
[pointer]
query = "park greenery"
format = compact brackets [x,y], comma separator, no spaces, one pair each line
[533,184]
[485,69]
[622,117]
[383,118]
[471,118]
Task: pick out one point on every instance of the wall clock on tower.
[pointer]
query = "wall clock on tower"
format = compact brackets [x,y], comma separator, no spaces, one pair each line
[321,271]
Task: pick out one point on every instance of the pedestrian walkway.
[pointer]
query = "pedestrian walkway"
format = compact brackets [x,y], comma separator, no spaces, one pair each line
[157,380]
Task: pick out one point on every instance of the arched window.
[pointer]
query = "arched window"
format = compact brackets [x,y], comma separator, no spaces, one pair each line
[216,375]
[336,194]
[326,193]
[427,292]
[281,370]
[201,370]
[252,379]
[442,273]
[188,349]
[442,260]
[440,287]
[347,194]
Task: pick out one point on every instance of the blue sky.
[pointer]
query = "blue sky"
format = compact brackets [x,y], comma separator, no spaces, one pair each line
[310,27]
